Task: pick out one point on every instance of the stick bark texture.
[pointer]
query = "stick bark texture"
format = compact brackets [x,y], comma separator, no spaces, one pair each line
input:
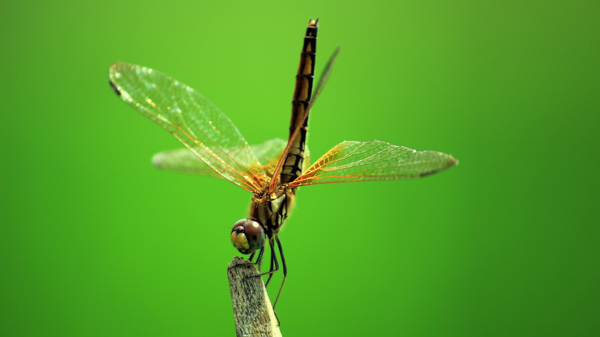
[251,305]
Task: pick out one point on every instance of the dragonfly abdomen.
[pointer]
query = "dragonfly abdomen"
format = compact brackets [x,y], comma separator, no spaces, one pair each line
[292,167]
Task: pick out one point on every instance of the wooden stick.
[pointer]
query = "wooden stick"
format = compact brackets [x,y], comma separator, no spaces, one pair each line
[251,305]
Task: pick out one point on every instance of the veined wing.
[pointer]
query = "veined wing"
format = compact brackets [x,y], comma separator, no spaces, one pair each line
[183,160]
[373,160]
[324,77]
[192,119]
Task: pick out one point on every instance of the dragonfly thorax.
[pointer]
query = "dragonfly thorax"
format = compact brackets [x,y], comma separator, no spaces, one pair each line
[271,209]
[267,214]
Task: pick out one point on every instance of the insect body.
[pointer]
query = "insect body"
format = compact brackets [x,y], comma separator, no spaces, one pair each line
[274,170]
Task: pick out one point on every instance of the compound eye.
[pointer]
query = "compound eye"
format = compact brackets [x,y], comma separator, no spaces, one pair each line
[247,236]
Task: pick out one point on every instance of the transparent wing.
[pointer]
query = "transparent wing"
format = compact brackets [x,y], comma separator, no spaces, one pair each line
[269,152]
[373,160]
[192,119]
[183,160]
[324,77]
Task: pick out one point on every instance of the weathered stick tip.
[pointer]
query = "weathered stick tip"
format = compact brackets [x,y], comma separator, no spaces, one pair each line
[251,305]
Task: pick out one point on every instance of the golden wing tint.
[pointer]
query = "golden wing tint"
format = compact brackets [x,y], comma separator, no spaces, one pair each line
[192,119]
[183,160]
[373,160]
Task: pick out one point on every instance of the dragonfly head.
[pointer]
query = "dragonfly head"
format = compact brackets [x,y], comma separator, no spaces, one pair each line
[247,236]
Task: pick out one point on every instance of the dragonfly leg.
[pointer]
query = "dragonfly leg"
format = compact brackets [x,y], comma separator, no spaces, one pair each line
[284,271]
[273,258]
[259,258]
[272,271]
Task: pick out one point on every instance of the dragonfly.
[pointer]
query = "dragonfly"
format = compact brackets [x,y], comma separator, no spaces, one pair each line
[274,170]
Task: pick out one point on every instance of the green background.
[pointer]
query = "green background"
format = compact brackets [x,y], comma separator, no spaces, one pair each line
[94,241]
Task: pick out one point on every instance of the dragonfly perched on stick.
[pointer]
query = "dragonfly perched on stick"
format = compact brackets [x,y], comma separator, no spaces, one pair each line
[274,170]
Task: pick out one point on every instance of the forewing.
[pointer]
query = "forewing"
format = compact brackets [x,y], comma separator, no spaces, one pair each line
[192,119]
[373,160]
[183,160]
